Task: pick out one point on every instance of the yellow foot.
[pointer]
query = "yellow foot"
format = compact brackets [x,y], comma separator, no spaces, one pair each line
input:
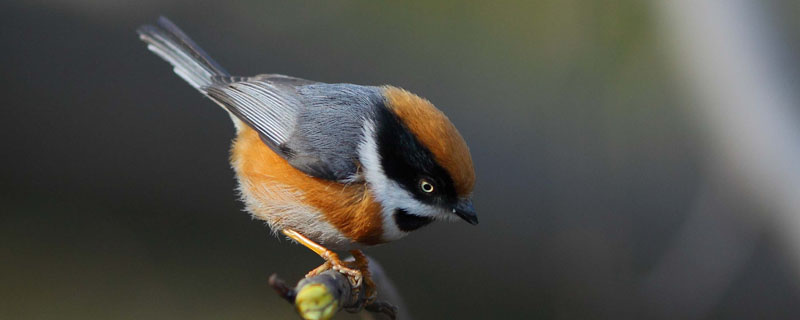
[362,264]
[332,261]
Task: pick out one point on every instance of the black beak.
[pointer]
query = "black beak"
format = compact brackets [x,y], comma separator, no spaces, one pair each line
[466,211]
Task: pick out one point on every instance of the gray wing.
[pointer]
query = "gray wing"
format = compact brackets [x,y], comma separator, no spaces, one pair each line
[278,79]
[316,127]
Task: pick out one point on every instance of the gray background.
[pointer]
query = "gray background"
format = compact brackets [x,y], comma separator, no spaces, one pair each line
[118,202]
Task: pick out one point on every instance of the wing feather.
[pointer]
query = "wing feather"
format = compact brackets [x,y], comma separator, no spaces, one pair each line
[296,122]
[269,109]
[313,126]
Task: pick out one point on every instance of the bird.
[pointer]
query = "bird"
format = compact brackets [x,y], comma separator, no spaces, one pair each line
[332,166]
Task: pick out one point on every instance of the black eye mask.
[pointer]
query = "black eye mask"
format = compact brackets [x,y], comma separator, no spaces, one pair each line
[405,160]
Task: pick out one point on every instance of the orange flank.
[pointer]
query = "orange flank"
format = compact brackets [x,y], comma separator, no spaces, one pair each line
[358,217]
[435,131]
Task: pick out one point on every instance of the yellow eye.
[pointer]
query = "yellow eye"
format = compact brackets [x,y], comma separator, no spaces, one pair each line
[426,186]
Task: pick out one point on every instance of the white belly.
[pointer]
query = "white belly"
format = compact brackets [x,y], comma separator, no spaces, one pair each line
[284,208]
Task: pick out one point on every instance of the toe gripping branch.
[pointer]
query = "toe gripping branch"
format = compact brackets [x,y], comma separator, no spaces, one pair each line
[321,296]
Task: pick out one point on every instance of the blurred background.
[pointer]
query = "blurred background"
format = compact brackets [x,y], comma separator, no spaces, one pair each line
[635,159]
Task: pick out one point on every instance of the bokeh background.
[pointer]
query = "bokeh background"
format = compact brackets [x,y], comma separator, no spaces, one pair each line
[629,160]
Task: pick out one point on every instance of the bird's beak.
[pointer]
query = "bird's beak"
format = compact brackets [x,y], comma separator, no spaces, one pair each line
[466,211]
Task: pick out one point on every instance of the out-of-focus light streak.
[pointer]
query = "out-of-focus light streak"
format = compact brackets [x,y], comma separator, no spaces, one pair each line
[727,57]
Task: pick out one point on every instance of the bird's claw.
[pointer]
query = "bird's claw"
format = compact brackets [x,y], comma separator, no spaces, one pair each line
[355,276]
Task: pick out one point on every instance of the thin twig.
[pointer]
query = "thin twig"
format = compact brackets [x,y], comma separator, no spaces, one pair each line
[321,296]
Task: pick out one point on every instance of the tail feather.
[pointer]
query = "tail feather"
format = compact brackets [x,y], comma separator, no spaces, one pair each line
[189,61]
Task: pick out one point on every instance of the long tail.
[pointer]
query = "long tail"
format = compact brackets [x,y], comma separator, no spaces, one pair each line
[190,62]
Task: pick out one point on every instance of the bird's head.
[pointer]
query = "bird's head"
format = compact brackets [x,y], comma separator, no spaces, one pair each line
[417,164]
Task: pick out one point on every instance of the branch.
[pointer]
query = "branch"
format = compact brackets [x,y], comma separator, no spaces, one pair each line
[321,296]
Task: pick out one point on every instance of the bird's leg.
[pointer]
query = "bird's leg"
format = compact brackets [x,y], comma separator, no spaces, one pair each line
[332,260]
[362,264]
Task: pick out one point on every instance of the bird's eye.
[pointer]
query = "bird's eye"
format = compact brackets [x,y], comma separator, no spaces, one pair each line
[426,186]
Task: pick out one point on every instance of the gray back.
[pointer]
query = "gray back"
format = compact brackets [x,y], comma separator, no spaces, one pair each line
[330,127]
[316,127]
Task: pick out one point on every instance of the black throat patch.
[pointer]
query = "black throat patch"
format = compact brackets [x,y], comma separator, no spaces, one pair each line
[407,222]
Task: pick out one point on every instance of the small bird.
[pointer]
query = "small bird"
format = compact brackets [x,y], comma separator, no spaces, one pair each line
[331,166]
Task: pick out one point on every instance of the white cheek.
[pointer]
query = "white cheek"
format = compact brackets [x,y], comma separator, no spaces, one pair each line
[397,197]
[389,193]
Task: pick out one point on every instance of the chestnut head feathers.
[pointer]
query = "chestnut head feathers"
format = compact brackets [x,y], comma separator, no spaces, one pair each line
[417,162]
[344,165]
